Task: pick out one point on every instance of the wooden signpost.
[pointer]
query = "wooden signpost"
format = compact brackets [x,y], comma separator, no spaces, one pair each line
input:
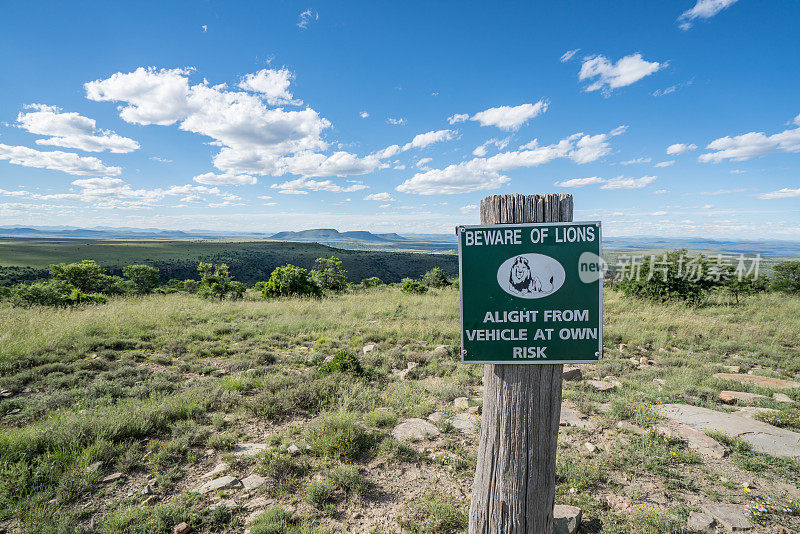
[514,489]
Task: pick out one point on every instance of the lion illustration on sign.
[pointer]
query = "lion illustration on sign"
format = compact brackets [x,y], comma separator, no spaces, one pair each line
[523,280]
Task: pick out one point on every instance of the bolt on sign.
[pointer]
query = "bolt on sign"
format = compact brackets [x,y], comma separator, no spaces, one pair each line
[531,293]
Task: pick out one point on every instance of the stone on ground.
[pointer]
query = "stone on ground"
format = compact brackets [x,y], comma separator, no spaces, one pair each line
[253,482]
[701,522]
[696,440]
[752,411]
[112,477]
[731,397]
[441,350]
[414,430]
[731,516]
[181,528]
[781,397]
[219,468]
[293,449]
[572,374]
[570,417]
[756,380]
[630,427]
[461,404]
[258,503]
[218,484]
[601,385]
[249,449]
[762,437]
[732,368]
[467,423]
[566,519]
[369,348]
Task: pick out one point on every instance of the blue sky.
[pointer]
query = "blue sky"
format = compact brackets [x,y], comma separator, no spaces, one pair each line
[661,118]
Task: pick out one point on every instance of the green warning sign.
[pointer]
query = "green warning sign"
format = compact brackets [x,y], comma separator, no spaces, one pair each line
[531,293]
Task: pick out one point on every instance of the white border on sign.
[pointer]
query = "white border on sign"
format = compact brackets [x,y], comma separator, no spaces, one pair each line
[461,294]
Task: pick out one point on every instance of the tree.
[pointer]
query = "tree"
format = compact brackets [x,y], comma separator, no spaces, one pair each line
[673,276]
[52,293]
[215,281]
[144,277]
[786,277]
[412,286]
[290,280]
[329,274]
[372,281]
[86,275]
[435,278]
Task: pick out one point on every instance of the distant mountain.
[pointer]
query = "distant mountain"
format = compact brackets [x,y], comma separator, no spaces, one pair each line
[332,235]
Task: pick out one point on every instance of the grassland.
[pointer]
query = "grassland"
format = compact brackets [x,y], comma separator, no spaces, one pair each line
[163,388]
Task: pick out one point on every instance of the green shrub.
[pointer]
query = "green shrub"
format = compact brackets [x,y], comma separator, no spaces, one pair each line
[279,466]
[674,276]
[343,361]
[382,417]
[274,520]
[337,435]
[144,278]
[52,293]
[290,280]
[435,278]
[786,277]
[435,514]
[412,286]
[329,274]
[319,493]
[85,275]
[372,281]
[349,479]
[216,282]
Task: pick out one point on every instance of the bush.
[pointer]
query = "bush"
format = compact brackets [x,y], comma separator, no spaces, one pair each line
[786,277]
[86,275]
[329,274]
[412,286]
[435,278]
[290,280]
[674,276]
[336,435]
[319,493]
[435,514]
[372,281]
[349,479]
[216,282]
[343,361]
[144,278]
[274,520]
[52,293]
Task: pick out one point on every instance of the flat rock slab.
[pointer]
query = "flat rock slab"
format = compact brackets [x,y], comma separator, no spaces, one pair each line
[414,430]
[696,440]
[601,385]
[762,437]
[752,411]
[218,484]
[218,469]
[572,374]
[630,427]
[467,423]
[566,519]
[763,381]
[782,397]
[570,417]
[731,397]
[701,522]
[249,449]
[253,482]
[731,516]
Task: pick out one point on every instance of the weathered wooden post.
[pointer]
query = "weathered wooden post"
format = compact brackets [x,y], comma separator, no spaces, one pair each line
[514,489]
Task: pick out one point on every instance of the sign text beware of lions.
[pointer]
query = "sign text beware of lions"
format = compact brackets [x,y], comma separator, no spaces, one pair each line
[531,293]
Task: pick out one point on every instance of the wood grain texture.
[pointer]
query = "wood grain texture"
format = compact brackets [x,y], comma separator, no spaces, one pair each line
[514,489]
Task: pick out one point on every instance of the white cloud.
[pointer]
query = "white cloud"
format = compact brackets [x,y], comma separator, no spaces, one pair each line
[482,149]
[752,144]
[273,84]
[566,56]
[306,18]
[397,122]
[469,209]
[205,28]
[620,182]
[680,148]
[480,174]
[303,185]
[380,197]
[458,117]
[665,163]
[781,193]
[508,117]
[704,9]
[659,213]
[580,182]
[722,192]
[671,89]
[429,138]
[71,130]
[210,178]
[660,191]
[609,76]
[636,161]
[56,160]
[423,161]
[159,160]
[363,114]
